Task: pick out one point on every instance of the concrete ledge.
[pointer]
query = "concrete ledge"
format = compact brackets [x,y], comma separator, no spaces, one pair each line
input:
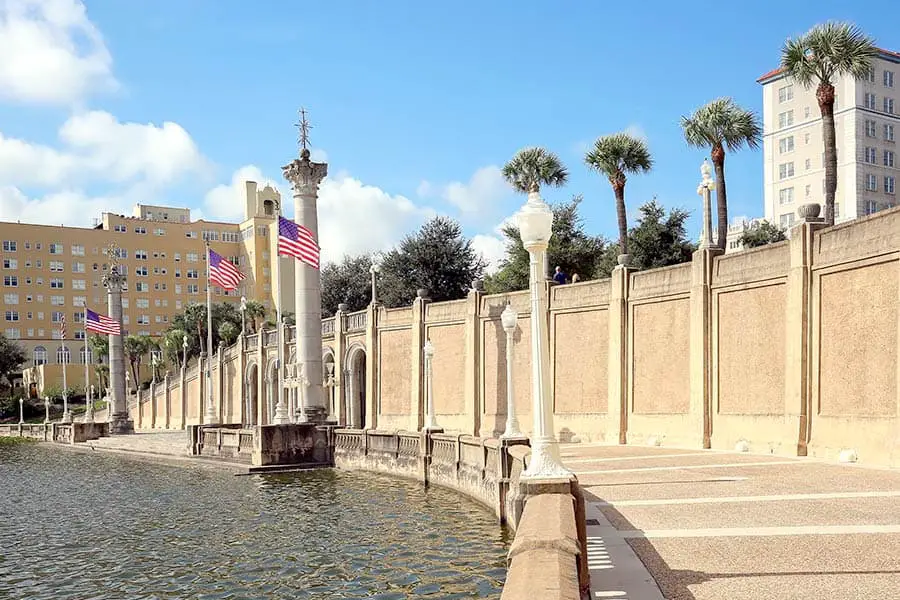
[548,523]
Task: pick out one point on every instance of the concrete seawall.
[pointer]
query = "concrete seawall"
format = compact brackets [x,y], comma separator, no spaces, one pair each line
[548,557]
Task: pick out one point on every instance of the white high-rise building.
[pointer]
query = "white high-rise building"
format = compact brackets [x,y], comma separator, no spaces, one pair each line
[867,127]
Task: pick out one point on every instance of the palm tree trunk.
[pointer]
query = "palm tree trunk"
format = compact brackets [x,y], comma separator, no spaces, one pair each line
[825,96]
[718,160]
[619,190]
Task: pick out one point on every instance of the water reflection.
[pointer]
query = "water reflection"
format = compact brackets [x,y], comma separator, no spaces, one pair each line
[98,526]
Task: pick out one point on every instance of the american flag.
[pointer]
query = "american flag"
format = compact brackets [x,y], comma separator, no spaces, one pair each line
[222,272]
[62,326]
[297,241]
[101,323]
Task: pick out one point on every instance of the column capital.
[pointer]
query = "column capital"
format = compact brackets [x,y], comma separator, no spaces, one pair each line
[305,175]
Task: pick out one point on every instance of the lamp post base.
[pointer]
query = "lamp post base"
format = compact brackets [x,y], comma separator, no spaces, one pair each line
[66,417]
[317,415]
[281,414]
[545,462]
[120,424]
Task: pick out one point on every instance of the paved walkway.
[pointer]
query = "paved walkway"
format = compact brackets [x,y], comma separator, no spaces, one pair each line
[165,443]
[718,525]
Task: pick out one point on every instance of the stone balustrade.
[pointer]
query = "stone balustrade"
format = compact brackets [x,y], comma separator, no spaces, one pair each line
[60,433]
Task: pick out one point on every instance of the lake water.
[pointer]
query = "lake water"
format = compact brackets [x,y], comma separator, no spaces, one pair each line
[96,526]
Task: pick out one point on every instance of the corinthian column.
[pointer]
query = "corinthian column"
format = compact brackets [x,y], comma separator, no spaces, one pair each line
[305,177]
[117,408]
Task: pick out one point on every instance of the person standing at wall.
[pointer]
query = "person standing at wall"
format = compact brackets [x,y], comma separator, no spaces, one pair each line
[560,276]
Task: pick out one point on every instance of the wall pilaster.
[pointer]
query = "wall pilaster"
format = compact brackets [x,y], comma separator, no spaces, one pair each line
[417,363]
[220,383]
[340,348]
[167,406]
[617,383]
[471,387]
[701,410]
[372,353]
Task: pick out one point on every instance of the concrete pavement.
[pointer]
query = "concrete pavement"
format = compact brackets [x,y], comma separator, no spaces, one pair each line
[702,525]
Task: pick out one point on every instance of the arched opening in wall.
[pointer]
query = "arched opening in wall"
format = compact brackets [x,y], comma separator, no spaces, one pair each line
[251,393]
[355,390]
[268,208]
[331,392]
[271,391]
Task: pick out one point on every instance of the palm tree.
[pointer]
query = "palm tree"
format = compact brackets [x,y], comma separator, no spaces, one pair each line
[255,311]
[617,156]
[531,168]
[228,332]
[135,347]
[821,55]
[718,125]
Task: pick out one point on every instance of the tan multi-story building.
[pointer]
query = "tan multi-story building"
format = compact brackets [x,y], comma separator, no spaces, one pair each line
[867,125]
[51,271]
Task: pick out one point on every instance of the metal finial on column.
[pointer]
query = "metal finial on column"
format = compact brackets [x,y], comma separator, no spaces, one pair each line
[303,128]
[707,185]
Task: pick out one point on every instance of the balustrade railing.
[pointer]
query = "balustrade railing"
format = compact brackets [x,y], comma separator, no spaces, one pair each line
[356,321]
[328,326]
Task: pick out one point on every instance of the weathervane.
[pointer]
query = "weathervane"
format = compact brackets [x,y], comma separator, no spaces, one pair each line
[303,127]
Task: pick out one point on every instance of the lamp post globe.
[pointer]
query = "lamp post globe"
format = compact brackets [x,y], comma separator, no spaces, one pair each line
[508,318]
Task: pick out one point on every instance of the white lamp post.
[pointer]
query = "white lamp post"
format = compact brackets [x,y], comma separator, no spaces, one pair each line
[508,318]
[707,185]
[535,221]
[184,347]
[128,383]
[243,316]
[46,410]
[21,411]
[329,383]
[154,364]
[89,406]
[374,270]
[430,421]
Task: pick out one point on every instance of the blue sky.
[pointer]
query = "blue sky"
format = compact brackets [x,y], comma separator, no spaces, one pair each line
[401,93]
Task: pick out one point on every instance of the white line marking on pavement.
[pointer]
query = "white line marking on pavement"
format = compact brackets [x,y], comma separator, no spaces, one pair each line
[733,499]
[616,572]
[640,457]
[760,531]
[682,468]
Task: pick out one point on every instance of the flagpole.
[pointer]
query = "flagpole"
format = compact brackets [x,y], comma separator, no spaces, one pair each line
[88,401]
[281,411]
[211,417]
[66,418]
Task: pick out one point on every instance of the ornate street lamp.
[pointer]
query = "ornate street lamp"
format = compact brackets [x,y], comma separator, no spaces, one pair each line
[430,421]
[89,406]
[21,411]
[184,347]
[127,384]
[46,410]
[535,221]
[508,318]
[154,364]
[330,383]
[294,379]
[244,314]
[374,270]
[707,185]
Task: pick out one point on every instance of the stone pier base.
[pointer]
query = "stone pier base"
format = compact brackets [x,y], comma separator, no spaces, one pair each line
[120,425]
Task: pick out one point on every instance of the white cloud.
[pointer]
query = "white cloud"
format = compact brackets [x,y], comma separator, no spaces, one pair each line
[68,207]
[96,146]
[492,248]
[225,202]
[635,130]
[482,193]
[355,218]
[51,53]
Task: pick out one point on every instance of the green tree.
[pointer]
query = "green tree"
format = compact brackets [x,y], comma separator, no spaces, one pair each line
[437,258]
[99,345]
[172,346]
[228,332]
[12,357]
[255,313]
[532,168]
[135,348]
[618,156]
[818,57]
[348,281]
[718,125]
[658,240]
[760,234]
[570,247]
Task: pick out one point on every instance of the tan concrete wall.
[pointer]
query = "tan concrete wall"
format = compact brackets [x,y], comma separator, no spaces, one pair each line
[789,348]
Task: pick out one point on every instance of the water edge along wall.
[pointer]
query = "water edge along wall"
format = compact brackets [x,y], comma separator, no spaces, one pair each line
[790,348]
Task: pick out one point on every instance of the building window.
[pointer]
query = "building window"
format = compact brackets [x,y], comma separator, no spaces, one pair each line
[808,190]
[77,250]
[889,133]
[77,267]
[86,356]
[79,301]
[211,236]
[246,233]
[191,234]
[63,356]
[888,79]
[12,315]
[78,284]
[177,288]
[785,196]
[806,114]
[786,144]
[889,184]
[807,164]
[57,300]
[785,94]
[56,266]
[10,298]
[192,274]
[10,281]
[57,283]
[870,207]
[193,288]
[56,316]
[39,356]
[10,263]
[888,104]
[871,155]
[786,220]
[870,128]
[140,230]
[871,183]
[785,170]
[870,101]
[9,245]
[785,119]
[142,303]
[159,231]
[56,248]
[143,320]
[192,257]
[142,286]
[888,158]
[140,271]
[140,255]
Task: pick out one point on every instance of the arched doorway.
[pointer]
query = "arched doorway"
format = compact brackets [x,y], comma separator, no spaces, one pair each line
[355,387]
[271,391]
[251,387]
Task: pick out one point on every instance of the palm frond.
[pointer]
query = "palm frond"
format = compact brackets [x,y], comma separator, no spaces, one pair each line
[722,122]
[535,167]
[619,153]
[827,51]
